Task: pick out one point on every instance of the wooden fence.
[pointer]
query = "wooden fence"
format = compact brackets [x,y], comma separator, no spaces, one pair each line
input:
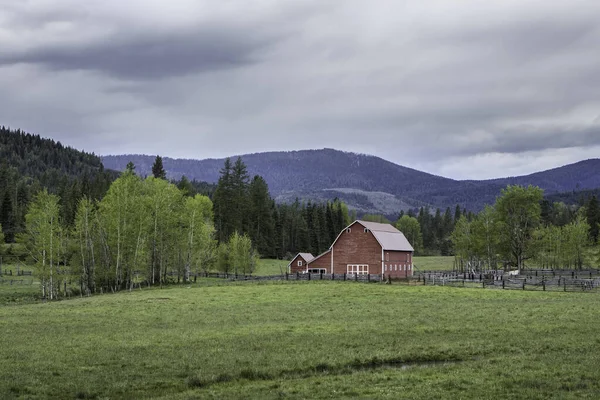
[292,277]
[540,280]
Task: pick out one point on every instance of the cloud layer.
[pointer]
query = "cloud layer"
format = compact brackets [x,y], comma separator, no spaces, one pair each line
[466,89]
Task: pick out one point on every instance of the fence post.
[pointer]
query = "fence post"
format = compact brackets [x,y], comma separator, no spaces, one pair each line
[524,282]
[502,283]
[309,276]
[344,276]
[321,275]
[544,285]
[287,277]
[356,277]
[332,275]
[368,277]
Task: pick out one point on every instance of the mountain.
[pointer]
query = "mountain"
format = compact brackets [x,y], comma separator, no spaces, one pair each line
[367,183]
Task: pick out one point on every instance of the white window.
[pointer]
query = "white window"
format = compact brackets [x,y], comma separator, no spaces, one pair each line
[366,230]
[405,267]
[300,263]
[357,269]
[395,267]
[387,256]
[386,267]
[409,267]
[349,230]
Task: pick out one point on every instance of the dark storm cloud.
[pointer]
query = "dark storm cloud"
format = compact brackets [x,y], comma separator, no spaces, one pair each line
[153,56]
[509,84]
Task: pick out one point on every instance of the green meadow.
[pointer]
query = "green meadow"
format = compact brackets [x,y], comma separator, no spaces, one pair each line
[433,263]
[218,340]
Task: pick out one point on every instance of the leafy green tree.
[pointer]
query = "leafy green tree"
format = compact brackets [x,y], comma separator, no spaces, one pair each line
[464,240]
[86,237]
[577,240]
[124,223]
[158,171]
[164,202]
[242,256]
[197,221]
[43,239]
[486,230]
[412,230]
[519,213]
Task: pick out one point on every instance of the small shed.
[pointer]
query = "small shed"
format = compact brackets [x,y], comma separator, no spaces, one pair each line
[300,262]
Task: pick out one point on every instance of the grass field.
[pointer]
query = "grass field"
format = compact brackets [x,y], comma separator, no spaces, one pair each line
[303,340]
[433,263]
[268,266]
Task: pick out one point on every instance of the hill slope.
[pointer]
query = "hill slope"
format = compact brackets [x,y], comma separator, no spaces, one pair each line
[367,183]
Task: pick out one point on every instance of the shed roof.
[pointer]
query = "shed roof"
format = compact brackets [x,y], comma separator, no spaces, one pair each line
[308,257]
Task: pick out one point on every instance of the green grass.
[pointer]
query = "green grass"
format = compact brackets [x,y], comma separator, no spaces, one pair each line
[304,340]
[433,263]
[268,266]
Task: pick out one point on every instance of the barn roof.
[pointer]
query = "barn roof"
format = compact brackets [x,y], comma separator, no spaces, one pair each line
[388,236]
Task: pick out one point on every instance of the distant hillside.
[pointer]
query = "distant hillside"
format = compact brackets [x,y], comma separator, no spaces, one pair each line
[367,183]
[29,162]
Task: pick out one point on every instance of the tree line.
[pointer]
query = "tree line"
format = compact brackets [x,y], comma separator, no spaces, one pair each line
[244,205]
[521,227]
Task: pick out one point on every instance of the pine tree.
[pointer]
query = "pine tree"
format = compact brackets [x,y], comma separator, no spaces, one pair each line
[222,203]
[158,170]
[261,226]
[593,218]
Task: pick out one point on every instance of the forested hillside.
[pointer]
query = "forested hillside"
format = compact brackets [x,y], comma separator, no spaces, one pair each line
[29,163]
[366,183]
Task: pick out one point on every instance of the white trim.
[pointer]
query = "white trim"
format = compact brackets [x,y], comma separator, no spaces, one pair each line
[332,260]
[357,269]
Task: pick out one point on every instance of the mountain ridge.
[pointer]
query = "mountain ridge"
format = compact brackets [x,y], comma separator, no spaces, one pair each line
[367,183]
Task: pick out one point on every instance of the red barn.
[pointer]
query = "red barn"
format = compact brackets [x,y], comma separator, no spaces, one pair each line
[367,248]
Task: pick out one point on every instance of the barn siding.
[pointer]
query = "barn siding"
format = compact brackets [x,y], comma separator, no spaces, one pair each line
[294,265]
[399,264]
[356,247]
[323,261]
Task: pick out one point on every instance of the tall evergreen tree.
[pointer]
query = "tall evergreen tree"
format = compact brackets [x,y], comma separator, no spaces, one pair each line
[158,170]
[261,225]
[593,218]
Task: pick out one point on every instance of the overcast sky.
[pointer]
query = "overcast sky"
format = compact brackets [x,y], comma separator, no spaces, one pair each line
[461,88]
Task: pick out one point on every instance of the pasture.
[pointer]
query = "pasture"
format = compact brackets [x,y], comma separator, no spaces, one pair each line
[303,340]
[433,263]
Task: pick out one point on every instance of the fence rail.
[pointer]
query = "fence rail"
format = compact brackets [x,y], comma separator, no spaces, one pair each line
[293,277]
[569,281]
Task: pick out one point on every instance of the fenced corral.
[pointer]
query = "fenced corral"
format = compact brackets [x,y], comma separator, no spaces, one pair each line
[539,280]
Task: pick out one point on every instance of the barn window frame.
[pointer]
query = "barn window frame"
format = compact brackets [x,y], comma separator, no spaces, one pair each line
[299,263]
[317,271]
[357,269]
